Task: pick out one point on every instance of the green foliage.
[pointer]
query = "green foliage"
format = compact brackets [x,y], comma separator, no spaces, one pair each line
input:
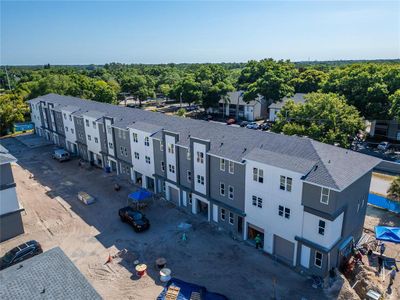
[181,112]
[12,109]
[309,81]
[394,110]
[394,189]
[323,117]
[269,78]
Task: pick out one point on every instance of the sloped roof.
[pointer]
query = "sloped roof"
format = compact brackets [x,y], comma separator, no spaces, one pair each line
[297,98]
[5,156]
[334,167]
[50,275]
[236,97]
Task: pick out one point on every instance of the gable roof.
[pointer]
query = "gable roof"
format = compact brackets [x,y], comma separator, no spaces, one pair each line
[236,97]
[5,156]
[335,167]
[297,98]
[50,275]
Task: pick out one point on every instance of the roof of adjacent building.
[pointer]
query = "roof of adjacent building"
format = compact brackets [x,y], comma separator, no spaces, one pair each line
[329,166]
[297,98]
[5,156]
[50,275]
[236,97]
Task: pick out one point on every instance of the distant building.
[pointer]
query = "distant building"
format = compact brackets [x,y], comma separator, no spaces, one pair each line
[50,275]
[385,129]
[233,105]
[10,208]
[274,108]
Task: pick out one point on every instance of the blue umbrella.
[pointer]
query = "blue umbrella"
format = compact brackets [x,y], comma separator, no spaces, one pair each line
[139,195]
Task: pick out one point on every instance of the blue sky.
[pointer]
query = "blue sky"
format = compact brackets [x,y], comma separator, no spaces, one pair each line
[78,32]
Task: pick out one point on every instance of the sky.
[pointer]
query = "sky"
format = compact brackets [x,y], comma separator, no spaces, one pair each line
[98,32]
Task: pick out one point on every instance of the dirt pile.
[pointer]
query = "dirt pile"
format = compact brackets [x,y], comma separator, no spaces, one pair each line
[367,280]
[341,290]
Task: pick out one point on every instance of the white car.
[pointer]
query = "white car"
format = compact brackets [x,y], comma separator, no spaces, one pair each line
[383,146]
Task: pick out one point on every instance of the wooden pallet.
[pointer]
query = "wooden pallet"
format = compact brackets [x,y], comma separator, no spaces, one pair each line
[172,293]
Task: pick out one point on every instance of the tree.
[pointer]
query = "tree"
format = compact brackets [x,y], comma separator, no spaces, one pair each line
[181,112]
[189,89]
[269,78]
[139,86]
[394,110]
[323,117]
[309,81]
[394,189]
[12,109]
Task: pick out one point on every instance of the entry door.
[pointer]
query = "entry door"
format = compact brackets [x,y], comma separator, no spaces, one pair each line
[305,256]
[215,213]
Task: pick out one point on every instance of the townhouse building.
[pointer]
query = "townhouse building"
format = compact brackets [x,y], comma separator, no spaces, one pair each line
[306,200]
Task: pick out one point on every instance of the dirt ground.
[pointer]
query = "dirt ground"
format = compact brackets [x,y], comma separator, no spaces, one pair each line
[88,234]
[380,183]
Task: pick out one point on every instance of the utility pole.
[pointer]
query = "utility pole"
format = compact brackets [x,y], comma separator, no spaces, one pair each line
[180,100]
[8,79]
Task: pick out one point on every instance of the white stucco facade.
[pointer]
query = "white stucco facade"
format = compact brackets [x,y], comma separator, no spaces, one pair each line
[92,136]
[199,168]
[170,164]
[69,129]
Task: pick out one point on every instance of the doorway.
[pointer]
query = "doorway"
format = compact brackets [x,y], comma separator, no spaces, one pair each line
[202,208]
[138,178]
[252,232]
[240,224]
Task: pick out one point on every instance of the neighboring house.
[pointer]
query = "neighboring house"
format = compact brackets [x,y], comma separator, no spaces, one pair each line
[233,105]
[50,275]
[274,108]
[306,199]
[385,129]
[10,208]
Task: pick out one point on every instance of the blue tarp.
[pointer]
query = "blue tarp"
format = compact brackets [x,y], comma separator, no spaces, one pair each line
[139,195]
[384,203]
[391,234]
[23,126]
[186,290]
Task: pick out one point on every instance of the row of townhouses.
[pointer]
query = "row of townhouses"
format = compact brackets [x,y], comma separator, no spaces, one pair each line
[307,200]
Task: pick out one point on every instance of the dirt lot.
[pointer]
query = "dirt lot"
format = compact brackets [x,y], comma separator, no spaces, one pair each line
[87,234]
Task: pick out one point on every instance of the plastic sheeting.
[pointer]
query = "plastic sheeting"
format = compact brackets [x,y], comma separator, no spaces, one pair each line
[385,203]
[390,234]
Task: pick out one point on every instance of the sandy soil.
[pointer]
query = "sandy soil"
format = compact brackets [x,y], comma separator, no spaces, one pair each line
[88,234]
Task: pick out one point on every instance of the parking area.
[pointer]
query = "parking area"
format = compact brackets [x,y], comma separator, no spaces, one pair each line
[53,216]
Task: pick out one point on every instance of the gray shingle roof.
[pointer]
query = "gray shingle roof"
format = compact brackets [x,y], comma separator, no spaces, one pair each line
[5,156]
[297,98]
[236,97]
[146,127]
[50,275]
[336,167]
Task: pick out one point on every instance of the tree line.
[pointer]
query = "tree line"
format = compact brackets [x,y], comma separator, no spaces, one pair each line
[341,94]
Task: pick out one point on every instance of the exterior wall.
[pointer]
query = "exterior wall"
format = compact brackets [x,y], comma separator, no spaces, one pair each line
[8,201]
[92,132]
[273,113]
[122,145]
[59,122]
[110,137]
[35,115]
[158,158]
[103,138]
[235,180]
[312,199]
[267,217]
[80,130]
[10,225]
[185,165]
[69,129]
[199,169]
[6,176]
[170,158]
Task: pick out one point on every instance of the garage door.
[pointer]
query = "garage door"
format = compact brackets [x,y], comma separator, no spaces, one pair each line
[283,249]
[174,195]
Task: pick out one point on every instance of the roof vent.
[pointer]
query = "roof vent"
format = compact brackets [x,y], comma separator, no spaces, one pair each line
[188,136]
[316,167]
[244,150]
[329,161]
[221,144]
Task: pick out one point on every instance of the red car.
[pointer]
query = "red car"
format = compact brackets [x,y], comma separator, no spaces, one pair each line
[230,121]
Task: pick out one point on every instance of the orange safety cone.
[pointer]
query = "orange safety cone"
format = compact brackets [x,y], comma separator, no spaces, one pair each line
[109,259]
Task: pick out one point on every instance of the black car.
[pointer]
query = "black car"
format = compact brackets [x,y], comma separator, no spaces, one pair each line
[20,253]
[243,123]
[134,218]
[265,126]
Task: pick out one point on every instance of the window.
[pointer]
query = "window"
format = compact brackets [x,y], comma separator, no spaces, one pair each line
[162,166]
[135,137]
[222,214]
[200,179]
[66,129]
[286,183]
[321,227]
[287,213]
[257,201]
[87,123]
[89,137]
[96,140]
[258,175]
[171,168]
[188,156]
[281,210]
[222,189]
[147,158]
[324,196]
[122,150]
[231,167]
[108,129]
[110,145]
[70,117]
[318,259]
[190,198]
[161,146]
[222,164]
[200,157]
[65,116]
[147,141]
[231,192]
[94,124]
[189,176]
[72,130]
[254,200]
[171,148]
[126,151]
[231,220]
[137,155]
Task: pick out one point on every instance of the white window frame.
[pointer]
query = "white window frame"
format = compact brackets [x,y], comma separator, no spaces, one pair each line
[94,124]
[163,166]
[231,192]
[287,213]
[96,140]
[323,195]
[171,148]
[258,175]
[231,218]
[200,157]
[110,145]
[318,259]
[200,179]
[188,155]
[231,167]
[87,123]
[254,200]
[189,176]
[147,159]
[190,198]
[89,137]
[321,228]
[222,214]
[137,156]
[222,189]
[161,146]
[135,137]
[147,141]
[222,164]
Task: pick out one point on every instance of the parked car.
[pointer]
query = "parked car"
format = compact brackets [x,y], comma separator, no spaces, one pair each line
[265,126]
[208,118]
[243,123]
[61,155]
[192,107]
[230,121]
[86,198]
[383,146]
[135,218]
[253,125]
[20,253]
